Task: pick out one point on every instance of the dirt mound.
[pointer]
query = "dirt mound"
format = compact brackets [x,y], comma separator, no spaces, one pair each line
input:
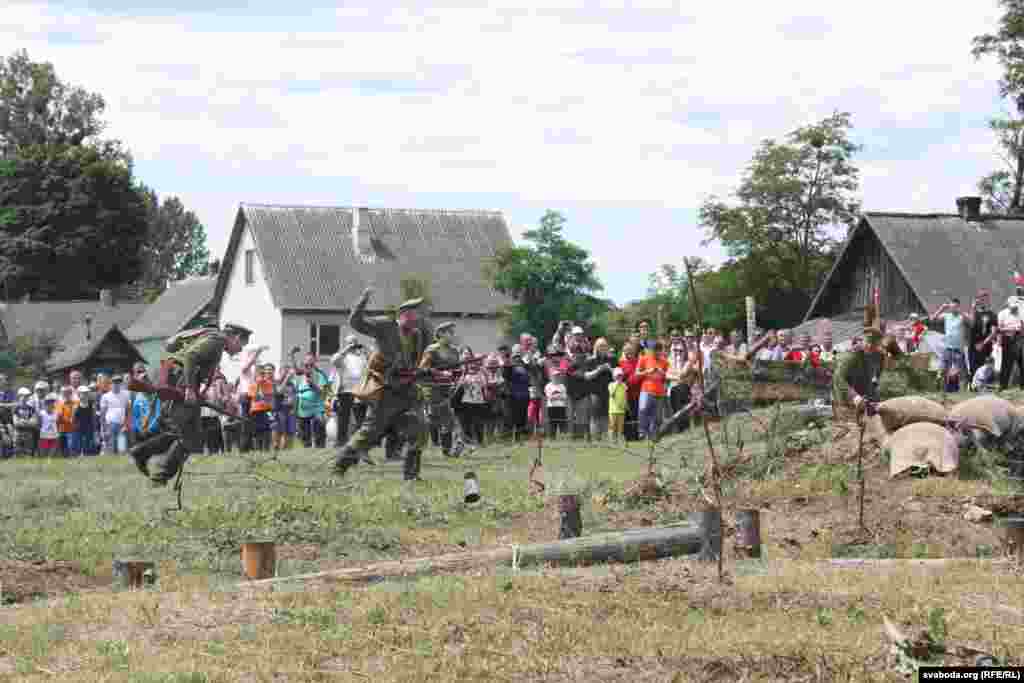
[25,581]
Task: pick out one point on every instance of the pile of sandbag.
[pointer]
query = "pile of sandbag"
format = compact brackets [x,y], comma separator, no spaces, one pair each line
[989,421]
[895,413]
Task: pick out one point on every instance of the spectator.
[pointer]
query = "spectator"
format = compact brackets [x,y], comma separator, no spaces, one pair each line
[955,324]
[135,436]
[643,333]
[494,388]
[26,424]
[557,398]
[114,414]
[261,403]
[474,410]
[617,405]
[984,330]
[629,363]
[533,359]
[66,407]
[85,423]
[767,348]
[38,400]
[653,369]
[517,379]
[678,390]
[246,377]
[75,380]
[283,407]
[736,347]
[600,377]
[828,352]
[103,384]
[1011,327]
[209,419]
[145,415]
[559,340]
[49,434]
[574,366]
[350,362]
[310,386]
[917,330]
[707,342]
[7,396]
[231,423]
[985,376]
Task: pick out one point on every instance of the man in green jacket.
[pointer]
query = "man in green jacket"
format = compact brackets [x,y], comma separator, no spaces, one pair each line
[188,367]
[858,374]
[438,397]
[389,388]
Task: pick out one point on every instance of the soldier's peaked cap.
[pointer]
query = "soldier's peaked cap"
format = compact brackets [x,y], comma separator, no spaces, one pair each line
[411,305]
[447,325]
[235,328]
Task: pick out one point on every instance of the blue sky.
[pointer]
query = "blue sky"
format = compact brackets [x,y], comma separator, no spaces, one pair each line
[624,120]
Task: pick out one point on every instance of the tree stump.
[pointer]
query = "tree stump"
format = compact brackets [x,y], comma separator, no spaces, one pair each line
[709,522]
[259,560]
[1013,535]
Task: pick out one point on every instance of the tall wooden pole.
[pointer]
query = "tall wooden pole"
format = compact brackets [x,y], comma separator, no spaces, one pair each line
[716,483]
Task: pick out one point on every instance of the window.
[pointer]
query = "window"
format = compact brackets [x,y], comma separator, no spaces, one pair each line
[250,258]
[324,340]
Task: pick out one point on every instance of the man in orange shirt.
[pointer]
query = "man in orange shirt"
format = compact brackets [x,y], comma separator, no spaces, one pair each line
[66,420]
[653,371]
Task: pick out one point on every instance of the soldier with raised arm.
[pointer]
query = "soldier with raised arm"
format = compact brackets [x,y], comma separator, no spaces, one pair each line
[389,386]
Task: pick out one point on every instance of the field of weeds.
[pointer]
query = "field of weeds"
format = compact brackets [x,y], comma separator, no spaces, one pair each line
[785,617]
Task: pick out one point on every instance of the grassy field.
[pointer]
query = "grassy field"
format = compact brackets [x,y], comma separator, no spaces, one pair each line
[786,618]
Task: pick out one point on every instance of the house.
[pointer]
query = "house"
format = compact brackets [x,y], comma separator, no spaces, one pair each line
[292,273]
[106,350]
[182,306]
[917,261]
[55,318]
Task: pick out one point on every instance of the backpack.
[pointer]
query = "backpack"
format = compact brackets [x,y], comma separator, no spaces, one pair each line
[181,339]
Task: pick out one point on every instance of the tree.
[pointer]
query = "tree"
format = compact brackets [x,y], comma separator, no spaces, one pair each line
[791,195]
[73,222]
[1002,189]
[552,278]
[175,244]
[37,108]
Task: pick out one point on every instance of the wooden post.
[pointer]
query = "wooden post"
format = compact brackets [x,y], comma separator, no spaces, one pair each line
[748,533]
[1014,536]
[751,320]
[259,559]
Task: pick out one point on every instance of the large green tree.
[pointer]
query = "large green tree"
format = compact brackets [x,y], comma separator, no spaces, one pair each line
[1002,189]
[175,243]
[779,231]
[37,108]
[71,222]
[552,278]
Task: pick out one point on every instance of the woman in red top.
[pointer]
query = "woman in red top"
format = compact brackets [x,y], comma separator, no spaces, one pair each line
[629,363]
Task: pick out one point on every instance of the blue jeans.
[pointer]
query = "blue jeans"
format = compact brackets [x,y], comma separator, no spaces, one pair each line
[86,443]
[116,440]
[650,414]
[69,444]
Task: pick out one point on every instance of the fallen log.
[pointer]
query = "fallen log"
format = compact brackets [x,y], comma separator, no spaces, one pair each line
[625,546]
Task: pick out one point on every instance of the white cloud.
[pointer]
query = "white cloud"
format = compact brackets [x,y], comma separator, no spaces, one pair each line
[585,103]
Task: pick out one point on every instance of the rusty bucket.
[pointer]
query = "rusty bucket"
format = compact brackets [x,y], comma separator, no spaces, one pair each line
[748,533]
[259,559]
[133,574]
[570,520]
[1013,536]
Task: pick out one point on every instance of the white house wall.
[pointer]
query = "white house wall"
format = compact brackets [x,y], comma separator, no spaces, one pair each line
[250,305]
[481,334]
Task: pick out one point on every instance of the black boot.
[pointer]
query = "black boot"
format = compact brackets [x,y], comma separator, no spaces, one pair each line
[142,452]
[347,457]
[411,466]
[446,443]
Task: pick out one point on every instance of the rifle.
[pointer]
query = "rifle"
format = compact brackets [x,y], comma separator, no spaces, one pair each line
[417,373]
[166,393]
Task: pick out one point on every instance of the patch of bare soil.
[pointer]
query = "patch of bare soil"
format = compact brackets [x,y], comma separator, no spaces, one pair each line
[704,669]
[25,581]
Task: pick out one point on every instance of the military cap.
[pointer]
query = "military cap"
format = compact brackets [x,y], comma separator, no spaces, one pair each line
[448,325]
[235,328]
[411,304]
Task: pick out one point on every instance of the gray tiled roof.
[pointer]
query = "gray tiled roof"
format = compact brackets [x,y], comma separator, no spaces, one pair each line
[74,355]
[180,303]
[844,328]
[309,260]
[942,255]
[75,345]
[57,317]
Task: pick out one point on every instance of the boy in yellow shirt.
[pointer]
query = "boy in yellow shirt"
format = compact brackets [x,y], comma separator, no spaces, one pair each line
[617,405]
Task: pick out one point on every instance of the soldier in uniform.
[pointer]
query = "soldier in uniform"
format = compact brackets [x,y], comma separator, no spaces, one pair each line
[438,397]
[193,364]
[858,375]
[389,386]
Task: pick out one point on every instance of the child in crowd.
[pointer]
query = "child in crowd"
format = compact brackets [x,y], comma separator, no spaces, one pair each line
[284,402]
[261,403]
[66,407]
[26,424]
[985,378]
[49,434]
[617,405]
[952,380]
[557,399]
[85,423]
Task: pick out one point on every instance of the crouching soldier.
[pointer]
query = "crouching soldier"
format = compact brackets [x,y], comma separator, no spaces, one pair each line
[192,361]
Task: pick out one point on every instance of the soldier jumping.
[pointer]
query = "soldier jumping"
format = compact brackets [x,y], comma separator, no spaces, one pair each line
[193,358]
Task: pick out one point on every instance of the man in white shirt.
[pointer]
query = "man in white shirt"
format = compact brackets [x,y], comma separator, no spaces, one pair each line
[1011,325]
[350,363]
[114,416]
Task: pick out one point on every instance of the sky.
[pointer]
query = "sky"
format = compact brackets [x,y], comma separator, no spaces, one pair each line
[623,116]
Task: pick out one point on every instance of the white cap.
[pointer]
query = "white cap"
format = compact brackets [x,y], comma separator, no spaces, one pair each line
[577,330]
[42,385]
[51,397]
[24,391]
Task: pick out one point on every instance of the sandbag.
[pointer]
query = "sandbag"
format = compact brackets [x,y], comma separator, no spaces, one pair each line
[899,412]
[996,414]
[922,444]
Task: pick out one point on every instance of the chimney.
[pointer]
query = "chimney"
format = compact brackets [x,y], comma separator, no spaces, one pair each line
[969,208]
[107,298]
[361,231]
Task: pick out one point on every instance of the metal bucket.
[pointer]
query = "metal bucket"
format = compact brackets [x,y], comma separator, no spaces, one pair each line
[748,533]
[471,488]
